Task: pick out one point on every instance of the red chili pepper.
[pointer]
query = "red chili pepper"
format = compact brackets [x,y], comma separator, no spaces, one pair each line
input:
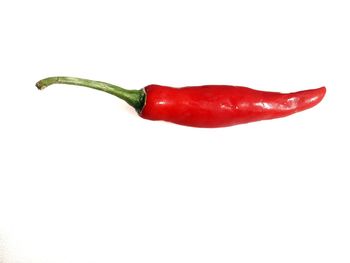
[207,106]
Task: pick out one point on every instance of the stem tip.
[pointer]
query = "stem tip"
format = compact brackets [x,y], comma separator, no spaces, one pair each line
[40,85]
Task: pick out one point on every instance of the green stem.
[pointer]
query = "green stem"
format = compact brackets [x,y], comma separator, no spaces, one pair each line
[135,98]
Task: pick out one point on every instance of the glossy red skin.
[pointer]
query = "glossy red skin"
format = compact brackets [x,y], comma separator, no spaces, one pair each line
[214,106]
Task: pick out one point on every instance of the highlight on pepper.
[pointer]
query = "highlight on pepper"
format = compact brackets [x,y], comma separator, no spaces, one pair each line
[208,106]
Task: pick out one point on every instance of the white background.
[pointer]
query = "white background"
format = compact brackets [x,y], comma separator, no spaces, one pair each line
[84,179]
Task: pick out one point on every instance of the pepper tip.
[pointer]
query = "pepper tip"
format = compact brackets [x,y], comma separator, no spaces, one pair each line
[324,90]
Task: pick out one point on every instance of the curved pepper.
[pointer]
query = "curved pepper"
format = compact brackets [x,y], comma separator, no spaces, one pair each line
[208,106]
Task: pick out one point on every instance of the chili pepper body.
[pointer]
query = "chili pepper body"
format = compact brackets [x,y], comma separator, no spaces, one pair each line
[208,106]
[214,106]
